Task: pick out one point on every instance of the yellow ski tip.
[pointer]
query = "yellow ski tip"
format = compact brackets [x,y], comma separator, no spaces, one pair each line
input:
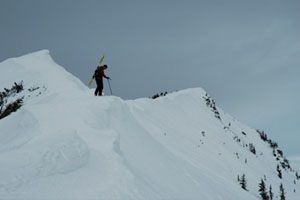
[101,59]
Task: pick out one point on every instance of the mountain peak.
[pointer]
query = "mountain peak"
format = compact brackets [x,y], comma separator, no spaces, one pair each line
[65,143]
[41,55]
[38,69]
[43,52]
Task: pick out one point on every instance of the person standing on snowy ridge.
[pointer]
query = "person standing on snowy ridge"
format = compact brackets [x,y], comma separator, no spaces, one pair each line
[98,76]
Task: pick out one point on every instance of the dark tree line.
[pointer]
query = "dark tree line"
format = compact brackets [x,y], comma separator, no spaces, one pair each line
[276,151]
[211,103]
[269,195]
[159,95]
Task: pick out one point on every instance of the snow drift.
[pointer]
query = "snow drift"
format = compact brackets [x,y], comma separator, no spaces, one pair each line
[64,143]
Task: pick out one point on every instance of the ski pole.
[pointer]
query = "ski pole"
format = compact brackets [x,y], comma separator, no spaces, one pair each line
[109,86]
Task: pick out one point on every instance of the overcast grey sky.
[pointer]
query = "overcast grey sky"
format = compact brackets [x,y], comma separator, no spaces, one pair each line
[246,54]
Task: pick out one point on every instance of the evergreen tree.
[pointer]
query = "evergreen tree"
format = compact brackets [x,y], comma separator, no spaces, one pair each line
[243,182]
[263,190]
[282,192]
[271,195]
[6,108]
[252,148]
[279,172]
[274,153]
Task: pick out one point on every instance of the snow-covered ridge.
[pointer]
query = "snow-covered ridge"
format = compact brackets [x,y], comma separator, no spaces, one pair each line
[38,69]
[67,144]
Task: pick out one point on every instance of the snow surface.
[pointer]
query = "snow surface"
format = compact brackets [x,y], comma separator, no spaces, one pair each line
[65,143]
[295,160]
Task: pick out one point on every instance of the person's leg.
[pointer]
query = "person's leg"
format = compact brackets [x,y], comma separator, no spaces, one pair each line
[100,87]
[96,91]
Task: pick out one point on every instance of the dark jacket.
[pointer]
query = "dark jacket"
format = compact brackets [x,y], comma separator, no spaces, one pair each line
[99,74]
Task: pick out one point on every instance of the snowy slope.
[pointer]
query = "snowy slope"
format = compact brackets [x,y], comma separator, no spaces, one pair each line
[295,160]
[64,143]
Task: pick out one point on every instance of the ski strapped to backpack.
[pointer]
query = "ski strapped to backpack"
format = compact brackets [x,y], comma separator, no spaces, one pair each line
[100,63]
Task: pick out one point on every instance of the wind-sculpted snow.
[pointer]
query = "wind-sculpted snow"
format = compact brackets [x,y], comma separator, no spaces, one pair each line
[45,156]
[65,143]
[24,126]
